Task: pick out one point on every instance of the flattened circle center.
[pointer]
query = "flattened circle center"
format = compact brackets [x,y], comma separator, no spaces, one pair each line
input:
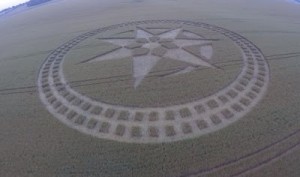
[152,45]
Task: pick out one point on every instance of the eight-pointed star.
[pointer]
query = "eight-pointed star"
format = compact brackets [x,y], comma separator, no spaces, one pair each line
[146,49]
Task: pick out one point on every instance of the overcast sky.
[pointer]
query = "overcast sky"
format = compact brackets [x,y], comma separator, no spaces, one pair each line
[9,3]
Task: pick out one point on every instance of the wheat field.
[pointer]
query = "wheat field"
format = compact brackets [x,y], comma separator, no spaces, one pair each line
[33,143]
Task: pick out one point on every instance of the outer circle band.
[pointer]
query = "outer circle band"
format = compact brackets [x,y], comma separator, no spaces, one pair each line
[154,125]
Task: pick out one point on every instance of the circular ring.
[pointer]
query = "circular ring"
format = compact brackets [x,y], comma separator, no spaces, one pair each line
[160,124]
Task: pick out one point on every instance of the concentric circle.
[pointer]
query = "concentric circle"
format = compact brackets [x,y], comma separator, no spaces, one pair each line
[154,124]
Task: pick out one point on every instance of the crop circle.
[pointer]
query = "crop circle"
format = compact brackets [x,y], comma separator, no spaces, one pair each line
[154,124]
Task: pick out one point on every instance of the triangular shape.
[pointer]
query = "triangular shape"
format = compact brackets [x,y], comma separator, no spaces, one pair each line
[206,51]
[142,33]
[126,34]
[168,67]
[142,65]
[188,57]
[182,71]
[158,31]
[185,34]
[172,34]
[202,51]
[111,55]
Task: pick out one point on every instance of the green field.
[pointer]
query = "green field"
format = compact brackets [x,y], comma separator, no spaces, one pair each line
[33,142]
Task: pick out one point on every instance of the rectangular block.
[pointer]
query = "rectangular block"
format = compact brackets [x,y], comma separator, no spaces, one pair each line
[86,106]
[245,101]
[120,130]
[212,104]
[153,132]
[185,113]
[109,113]
[215,119]
[237,107]
[124,115]
[97,110]
[71,115]
[170,131]
[186,128]
[227,114]
[92,123]
[223,99]
[232,93]
[251,95]
[62,110]
[76,102]
[136,131]
[104,127]
[153,116]
[80,120]
[138,116]
[170,115]
[200,109]
[202,124]
[70,98]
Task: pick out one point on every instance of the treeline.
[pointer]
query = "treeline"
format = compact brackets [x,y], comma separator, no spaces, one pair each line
[29,4]
[11,8]
[36,2]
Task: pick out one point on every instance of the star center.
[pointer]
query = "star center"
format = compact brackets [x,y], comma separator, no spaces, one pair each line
[151,45]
